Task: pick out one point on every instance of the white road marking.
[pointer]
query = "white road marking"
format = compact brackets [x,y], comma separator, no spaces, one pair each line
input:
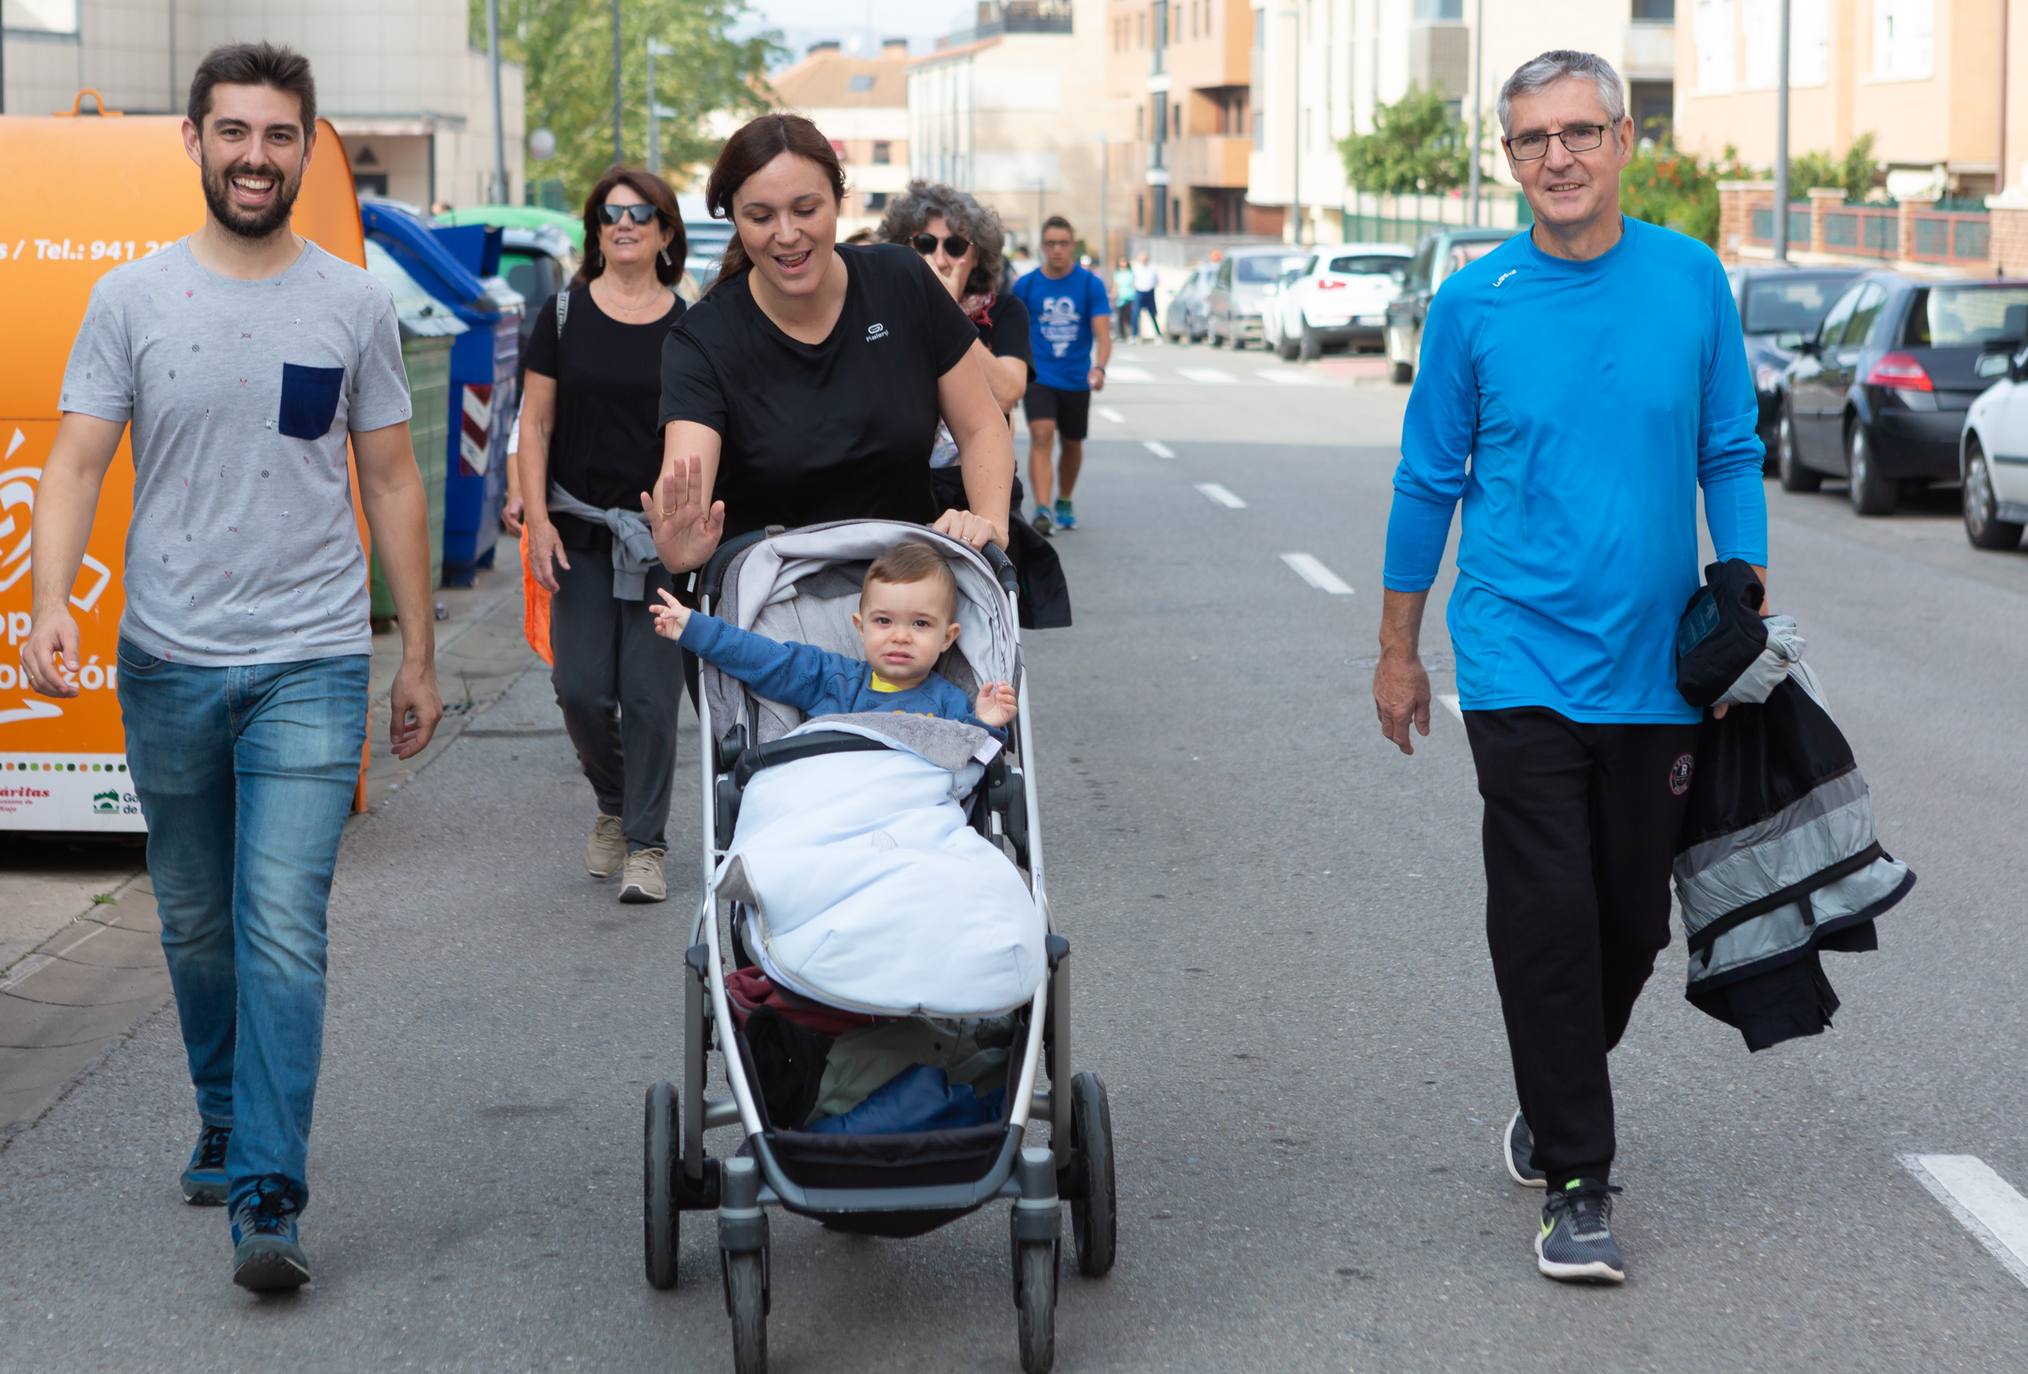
[1211,375]
[1221,496]
[1286,377]
[1158,448]
[1450,701]
[1316,574]
[1111,416]
[1984,1204]
[1127,372]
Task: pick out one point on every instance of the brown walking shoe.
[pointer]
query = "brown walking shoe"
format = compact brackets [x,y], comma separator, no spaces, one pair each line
[606,850]
[643,881]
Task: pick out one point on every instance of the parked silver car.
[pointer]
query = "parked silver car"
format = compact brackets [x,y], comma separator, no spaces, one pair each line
[1185,321]
[1247,280]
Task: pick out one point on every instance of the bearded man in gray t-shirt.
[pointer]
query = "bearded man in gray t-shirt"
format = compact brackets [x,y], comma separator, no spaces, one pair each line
[243,358]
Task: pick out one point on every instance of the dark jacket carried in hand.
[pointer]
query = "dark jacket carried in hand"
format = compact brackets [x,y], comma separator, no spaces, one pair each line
[1778,859]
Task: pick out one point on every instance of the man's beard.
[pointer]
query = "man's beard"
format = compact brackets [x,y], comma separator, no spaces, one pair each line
[258,224]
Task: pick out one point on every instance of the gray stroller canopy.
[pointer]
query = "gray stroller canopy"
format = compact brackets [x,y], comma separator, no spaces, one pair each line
[803,585]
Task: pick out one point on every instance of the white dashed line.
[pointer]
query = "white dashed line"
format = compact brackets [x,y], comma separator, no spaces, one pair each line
[1316,574]
[1111,416]
[1158,448]
[1219,494]
[1984,1204]
[1450,701]
[1285,377]
[1210,375]
[1127,372]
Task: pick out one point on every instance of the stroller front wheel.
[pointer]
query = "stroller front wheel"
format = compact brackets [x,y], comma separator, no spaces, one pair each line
[1035,1295]
[660,1159]
[746,1301]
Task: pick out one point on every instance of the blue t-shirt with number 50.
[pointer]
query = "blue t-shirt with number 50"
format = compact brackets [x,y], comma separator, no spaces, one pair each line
[1060,312]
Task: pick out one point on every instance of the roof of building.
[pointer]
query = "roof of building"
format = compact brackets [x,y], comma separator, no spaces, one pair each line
[958,50]
[828,79]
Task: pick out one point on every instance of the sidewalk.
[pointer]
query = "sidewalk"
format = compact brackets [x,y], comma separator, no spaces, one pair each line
[80,958]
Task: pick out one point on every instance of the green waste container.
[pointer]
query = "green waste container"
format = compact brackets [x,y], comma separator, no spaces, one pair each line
[428,329]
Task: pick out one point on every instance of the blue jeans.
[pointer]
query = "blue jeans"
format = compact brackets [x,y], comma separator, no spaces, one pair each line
[245,776]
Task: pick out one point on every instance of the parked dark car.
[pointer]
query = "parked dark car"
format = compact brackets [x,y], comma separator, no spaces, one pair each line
[1878,395]
[1440,253]
[1779,306]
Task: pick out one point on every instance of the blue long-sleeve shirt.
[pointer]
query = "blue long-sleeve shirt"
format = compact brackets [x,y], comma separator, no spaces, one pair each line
[1592,400]
[816,681]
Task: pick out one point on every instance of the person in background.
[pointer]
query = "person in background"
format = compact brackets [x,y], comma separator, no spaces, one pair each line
[1144,280]
[590,443]
[1123,297]
[1072,326]
[807,384]
[243,359]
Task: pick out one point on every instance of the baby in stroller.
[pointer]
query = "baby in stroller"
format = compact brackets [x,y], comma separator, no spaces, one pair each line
[907,618]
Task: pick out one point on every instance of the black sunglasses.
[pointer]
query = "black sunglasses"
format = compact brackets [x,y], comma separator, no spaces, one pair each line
[638,213]
[955,245]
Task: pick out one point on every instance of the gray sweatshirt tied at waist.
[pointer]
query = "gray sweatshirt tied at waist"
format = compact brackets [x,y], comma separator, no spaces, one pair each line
[633,543]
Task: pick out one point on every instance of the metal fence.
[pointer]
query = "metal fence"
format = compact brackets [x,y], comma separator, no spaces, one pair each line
[1386,222]
[1960,237]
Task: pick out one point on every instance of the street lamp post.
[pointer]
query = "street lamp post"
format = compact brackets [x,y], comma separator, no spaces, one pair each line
[1296,121]
[619,154]
[656,112]
[499,189]
[1478,86]
[1781,205]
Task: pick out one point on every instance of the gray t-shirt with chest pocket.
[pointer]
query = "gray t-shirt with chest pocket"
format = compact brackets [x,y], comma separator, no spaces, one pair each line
[242,547]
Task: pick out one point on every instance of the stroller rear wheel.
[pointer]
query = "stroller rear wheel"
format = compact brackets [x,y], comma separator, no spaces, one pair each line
[660,1160]
[1094,1210]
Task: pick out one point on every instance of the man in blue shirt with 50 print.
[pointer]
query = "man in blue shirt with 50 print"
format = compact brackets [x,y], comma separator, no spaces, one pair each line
[1070,317]
[1593,372]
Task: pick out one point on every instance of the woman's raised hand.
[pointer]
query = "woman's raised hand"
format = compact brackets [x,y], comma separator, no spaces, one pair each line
[686,522]
[968,528]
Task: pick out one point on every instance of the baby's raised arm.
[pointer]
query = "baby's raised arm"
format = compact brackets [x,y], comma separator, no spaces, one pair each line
[670,617]
[996,705]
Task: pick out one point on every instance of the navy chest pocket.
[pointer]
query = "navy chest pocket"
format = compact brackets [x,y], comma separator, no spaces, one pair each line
[309,399]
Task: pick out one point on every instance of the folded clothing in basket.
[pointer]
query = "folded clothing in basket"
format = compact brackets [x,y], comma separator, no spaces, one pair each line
[867,889]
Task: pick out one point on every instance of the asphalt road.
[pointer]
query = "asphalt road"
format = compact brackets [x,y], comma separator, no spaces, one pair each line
[1282,977]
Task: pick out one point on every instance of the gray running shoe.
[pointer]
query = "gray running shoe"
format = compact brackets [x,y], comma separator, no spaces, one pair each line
[1576,1242]
[1045,524]
[1518,1145]
[204,1183]
[267,1257]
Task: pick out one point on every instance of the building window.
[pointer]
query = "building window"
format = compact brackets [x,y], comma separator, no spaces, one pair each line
[1140,212]
[883,152]
[1809,44]
[1140,30]
[1440,11]
[1714,35]
[861,81]
[1902,31]
[1655,11]
[1176,120]
[876,201]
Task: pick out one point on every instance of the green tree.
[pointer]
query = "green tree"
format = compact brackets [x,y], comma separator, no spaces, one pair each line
[1853,173]
[1680,190]
[566,51]
[1417,144]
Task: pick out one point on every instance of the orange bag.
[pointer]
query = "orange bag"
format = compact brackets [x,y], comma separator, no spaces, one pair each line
[534,607]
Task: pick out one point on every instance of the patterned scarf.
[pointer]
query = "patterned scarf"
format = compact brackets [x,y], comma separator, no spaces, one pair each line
[980,307]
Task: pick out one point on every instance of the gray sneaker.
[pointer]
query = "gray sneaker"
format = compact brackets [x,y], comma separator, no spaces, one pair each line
[1576,1242]
[606,850]
[204,1183]
[267,1256]
[1517,1146]
[644,881]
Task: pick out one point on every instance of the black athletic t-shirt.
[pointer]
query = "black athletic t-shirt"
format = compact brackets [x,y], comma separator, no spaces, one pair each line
[839,430]
[605,447]
[1005,332]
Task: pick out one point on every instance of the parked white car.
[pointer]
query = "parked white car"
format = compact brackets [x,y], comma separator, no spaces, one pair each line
[1338,298]
[1993,459]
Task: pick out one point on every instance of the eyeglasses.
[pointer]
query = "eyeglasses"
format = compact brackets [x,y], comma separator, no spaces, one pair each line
[1059,243]
[1578,138]
[955,245]
[639,213]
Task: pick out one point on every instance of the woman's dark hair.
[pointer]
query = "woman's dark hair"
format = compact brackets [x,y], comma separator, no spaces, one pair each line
[656,192]
[254,64]
[759,142]
[924,201]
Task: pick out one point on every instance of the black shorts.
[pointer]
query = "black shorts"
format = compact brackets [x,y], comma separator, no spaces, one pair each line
[1071,410]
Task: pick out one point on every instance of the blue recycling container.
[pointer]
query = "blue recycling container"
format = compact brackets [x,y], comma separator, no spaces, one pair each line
[459,266]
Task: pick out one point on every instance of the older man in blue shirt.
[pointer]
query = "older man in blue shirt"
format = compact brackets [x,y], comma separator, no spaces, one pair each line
[1577,386]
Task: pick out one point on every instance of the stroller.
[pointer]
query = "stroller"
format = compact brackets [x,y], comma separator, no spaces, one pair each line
[803,585]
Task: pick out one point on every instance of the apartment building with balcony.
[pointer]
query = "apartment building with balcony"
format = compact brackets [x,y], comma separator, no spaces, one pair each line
[1927,78]
[861,104]
[1012,109]
[1179,74]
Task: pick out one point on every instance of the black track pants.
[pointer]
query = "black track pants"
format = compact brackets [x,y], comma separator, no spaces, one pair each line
[1580,830]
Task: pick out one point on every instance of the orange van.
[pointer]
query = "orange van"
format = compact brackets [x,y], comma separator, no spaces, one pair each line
[86,193]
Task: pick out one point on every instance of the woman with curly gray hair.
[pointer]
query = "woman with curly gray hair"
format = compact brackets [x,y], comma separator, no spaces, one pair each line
[963,242]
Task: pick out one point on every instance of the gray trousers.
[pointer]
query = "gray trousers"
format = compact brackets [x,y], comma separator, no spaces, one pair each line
[618,683]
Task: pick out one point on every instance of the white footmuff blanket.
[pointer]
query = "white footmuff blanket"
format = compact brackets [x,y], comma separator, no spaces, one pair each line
[867,890]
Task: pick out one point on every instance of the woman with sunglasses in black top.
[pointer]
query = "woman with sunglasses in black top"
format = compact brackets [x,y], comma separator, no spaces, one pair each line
[589,445]
[807,385]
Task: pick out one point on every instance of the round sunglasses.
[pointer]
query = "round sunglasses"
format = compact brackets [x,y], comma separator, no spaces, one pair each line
[639,213]
[955,245]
